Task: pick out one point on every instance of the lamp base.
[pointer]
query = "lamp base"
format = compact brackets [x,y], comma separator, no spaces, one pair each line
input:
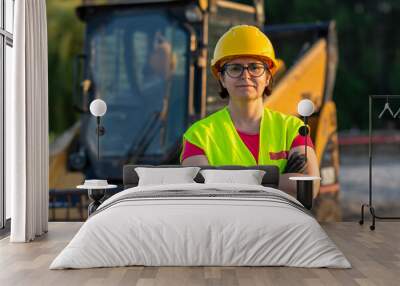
[305,193]
[96,195]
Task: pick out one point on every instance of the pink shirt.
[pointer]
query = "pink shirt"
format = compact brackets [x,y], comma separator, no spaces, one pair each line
[252,142]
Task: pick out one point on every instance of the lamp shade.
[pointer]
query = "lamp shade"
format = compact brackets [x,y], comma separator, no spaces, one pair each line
[305,107]
[98,107]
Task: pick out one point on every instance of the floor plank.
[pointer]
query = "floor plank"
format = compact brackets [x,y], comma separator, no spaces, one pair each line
[374,255]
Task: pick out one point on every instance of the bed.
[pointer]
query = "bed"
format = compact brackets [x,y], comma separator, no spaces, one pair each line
[201,222]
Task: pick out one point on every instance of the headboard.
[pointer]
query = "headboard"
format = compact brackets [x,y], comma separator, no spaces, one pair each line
[270,179]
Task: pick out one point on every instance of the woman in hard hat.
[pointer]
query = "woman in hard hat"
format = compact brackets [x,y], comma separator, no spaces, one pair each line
[245,132]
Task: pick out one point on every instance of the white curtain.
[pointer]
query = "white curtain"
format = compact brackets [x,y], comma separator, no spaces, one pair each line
[27,124]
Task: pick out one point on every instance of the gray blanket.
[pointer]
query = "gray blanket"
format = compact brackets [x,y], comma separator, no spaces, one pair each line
[199,194]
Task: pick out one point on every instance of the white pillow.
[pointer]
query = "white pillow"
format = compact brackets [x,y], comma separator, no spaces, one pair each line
[162,176]
[249,177]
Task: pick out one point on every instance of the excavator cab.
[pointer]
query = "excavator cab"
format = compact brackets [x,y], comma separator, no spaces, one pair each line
[136,59]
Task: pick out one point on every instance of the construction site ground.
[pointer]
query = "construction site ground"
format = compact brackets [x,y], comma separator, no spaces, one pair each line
[354,178]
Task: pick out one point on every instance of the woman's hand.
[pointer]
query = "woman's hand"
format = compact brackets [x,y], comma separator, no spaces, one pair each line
[296,163]
[298,167]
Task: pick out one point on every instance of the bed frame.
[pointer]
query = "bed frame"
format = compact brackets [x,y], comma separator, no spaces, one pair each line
[270,179]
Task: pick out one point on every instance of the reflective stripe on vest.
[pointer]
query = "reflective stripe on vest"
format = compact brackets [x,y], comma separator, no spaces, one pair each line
[217,136]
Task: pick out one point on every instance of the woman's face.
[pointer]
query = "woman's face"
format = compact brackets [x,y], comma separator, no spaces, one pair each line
[246,86]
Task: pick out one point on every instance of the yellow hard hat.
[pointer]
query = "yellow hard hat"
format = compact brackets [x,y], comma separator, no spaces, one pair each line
[243,40]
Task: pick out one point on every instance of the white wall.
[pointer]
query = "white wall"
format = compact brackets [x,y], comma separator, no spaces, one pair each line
[9,13]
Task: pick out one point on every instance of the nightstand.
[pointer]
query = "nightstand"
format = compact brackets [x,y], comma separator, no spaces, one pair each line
[305,189]
[96,193]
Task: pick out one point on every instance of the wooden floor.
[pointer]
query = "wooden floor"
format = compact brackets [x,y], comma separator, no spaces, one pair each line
[374,255]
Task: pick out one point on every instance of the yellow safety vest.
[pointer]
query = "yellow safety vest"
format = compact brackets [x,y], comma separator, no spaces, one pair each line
[217,136]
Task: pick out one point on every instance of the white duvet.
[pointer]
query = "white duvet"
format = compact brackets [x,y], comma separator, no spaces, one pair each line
[183,231]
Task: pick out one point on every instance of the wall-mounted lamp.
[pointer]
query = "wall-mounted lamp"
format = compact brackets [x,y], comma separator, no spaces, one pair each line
[98,108]
[305,183]
[305,108]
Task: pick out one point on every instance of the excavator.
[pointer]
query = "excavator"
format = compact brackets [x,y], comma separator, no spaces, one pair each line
[149,61]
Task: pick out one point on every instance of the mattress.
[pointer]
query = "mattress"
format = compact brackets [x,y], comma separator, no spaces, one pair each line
[201,225]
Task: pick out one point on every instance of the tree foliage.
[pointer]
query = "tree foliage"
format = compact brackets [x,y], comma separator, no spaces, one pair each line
[369,48]
[65,34]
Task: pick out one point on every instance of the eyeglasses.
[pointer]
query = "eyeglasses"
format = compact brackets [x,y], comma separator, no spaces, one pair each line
[236,70]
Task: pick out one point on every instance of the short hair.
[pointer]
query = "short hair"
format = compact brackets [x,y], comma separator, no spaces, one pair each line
[223,92]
